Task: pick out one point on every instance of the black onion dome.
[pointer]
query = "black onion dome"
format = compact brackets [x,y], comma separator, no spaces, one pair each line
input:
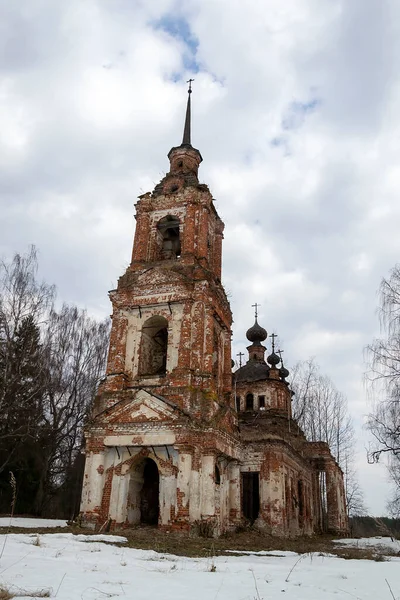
[273,359]
[283,372]
[252,371]
[256,333]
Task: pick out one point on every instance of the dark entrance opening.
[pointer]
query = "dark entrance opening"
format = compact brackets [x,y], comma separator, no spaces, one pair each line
[250,496]
[149,495]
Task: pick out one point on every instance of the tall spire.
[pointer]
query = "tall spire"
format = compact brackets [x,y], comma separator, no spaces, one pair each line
[184,158]
[186,141]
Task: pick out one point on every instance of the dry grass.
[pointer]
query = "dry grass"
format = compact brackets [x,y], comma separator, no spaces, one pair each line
[7,594]
[148,538]
[249,539]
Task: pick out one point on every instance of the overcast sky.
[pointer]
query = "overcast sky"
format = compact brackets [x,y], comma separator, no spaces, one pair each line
[296,114]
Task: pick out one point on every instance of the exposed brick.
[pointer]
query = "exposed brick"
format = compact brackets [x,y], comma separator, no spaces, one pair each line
[183,417]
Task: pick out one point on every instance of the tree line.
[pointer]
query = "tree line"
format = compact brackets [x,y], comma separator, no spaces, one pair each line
[383,380]
[322,413]
[51,359]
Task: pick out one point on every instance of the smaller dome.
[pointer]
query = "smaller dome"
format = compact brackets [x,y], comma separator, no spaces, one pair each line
[273,359]
[256,333]
[283,372]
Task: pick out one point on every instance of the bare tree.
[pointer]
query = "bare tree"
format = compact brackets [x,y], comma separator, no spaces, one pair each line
[76,345]
[321,411]
[383,377]
[50,365]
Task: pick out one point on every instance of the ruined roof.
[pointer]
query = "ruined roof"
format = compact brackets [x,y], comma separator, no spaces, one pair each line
[252,371]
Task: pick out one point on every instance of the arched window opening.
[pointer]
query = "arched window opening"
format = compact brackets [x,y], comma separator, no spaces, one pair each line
[217,476]
[249,402]
[238,403]
[168,228]
[153,347]
[300,496]
[261,402]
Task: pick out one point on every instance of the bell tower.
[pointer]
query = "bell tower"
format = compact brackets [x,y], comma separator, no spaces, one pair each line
[171,321]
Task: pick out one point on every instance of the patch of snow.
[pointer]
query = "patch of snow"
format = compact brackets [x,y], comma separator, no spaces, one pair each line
[372,542]
[73,568]
[31,523]
[264,552]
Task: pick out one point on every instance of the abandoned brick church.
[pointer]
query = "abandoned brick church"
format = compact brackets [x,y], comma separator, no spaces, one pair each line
[176,439]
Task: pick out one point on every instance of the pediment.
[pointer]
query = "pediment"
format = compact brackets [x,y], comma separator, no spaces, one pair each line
[161,277]
[145,407]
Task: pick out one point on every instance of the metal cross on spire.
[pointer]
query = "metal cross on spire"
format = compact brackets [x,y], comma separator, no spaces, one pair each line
[280,352]
[273,336]
[240,354]
[189,81]
[255,306]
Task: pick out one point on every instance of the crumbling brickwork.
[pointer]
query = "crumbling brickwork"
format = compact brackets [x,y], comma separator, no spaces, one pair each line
[174,438]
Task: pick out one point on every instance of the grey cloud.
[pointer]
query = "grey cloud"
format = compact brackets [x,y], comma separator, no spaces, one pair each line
[301,234]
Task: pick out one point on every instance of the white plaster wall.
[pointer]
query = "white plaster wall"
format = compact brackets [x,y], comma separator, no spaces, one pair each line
[272,490]
[152,438]
[167,497]
[224,491]
[93,481]
[195,496]
[207,486]
[184,473]
[234,487]
[118,498]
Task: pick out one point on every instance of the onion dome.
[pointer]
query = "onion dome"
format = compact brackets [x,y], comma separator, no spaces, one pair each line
[273,359]
[283,372]
[256,333]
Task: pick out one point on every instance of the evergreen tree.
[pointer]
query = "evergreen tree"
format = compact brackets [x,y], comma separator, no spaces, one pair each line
[23,381]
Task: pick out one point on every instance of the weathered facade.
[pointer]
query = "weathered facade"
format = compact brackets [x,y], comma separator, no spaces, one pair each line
[175,439]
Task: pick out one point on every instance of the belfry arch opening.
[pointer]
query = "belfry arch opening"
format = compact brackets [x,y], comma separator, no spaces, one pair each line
[153,347]
[168,228]
[144,493]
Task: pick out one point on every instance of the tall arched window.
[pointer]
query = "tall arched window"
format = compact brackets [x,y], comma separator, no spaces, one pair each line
[168,228]
[249,402]
[153,347]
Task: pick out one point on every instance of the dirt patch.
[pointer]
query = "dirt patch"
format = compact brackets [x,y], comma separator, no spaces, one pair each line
[184,544]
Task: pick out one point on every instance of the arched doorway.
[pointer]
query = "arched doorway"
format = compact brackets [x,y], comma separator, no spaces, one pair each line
[149,494]
[144,493]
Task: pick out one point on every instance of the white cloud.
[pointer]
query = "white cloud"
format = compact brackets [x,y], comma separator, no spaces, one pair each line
[295,111]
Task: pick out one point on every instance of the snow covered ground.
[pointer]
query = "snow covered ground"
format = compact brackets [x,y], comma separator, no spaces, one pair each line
[84,567]
[31,523]
[380,543]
